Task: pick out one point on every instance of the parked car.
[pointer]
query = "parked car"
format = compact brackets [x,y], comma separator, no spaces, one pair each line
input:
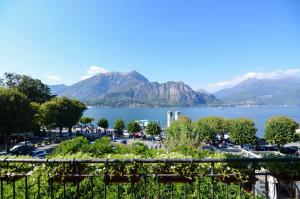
[22,150]
[157,138]
[25,143]
[291,150]
[137,135]
[39,154]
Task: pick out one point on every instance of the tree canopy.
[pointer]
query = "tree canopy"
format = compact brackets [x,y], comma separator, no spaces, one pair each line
[103,123]
[133,127]
[16,113]
[34,89]
[119,126]
[86,120]
[280,130]
[62,112]
[153,128]
[242,131]
[180,133]
[208,127]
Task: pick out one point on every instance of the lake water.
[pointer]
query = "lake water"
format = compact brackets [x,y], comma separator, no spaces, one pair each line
[258,114]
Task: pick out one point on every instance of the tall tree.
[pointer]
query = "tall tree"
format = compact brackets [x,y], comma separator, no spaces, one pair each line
[16,113]
[280,130]
[133,127]
[62,112]
[34,89]
[119,126]
[153,128]
[242,131]
[103,123]
[86,120]
[180,133]
[214,126]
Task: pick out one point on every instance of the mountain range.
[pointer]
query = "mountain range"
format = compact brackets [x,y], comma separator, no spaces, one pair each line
[132,89]
[284,91]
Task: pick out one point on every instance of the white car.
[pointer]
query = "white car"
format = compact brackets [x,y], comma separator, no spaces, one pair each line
[39,154]
[28,143]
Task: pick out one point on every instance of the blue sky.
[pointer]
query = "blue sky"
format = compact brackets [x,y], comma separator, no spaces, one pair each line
[207,44]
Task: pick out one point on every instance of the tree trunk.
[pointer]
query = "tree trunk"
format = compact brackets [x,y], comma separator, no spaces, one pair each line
[49,135]
[7,143]
[70,131]
[60,132]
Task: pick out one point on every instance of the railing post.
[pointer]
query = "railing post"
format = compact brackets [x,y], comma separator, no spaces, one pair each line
[212,180]
[240,190]
[77,179]
[158,187]
[198,188]
[26,188]
[145,186]
[2,196]
[118,190]
[14,189]
[266,186]
[39,188]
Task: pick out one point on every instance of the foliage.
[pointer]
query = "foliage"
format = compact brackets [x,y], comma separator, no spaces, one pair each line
[280,130]
[242,131]
[61,112]
[153,128]
[100,147]
[209,127]
[119,126]
[16,113]
[34,89]
[281,168]
[133,127]
[103,123]
[180,133]
[17,168]
[86,120]
[75,145]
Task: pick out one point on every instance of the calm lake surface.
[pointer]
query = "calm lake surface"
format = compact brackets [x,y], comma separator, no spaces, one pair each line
[258,114]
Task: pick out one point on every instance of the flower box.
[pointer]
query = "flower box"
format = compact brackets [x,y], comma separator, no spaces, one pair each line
[174,178]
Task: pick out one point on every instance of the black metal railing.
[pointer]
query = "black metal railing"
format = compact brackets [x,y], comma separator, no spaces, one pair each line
[20,179]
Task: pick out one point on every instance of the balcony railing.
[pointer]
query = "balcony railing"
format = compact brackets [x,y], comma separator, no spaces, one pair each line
[70,178]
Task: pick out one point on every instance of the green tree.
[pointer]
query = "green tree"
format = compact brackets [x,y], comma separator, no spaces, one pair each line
[16,113]
[180,133]
[119,126]
[242,131]
[62,112]
[280,130]
[103,123]
[133,127]
[86,120]
[212,126]
[153,128]
[34,89]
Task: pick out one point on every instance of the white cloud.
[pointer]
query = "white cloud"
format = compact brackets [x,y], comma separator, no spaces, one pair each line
[94,70]
[258,75]
[54,78]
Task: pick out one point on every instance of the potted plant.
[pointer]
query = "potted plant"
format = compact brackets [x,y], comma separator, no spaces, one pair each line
[14,171]
[122,172]
[279,169]
[175,172]
[69,172]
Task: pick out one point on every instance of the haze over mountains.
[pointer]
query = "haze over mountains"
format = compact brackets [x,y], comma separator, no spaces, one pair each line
[134,90]
[284,91]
